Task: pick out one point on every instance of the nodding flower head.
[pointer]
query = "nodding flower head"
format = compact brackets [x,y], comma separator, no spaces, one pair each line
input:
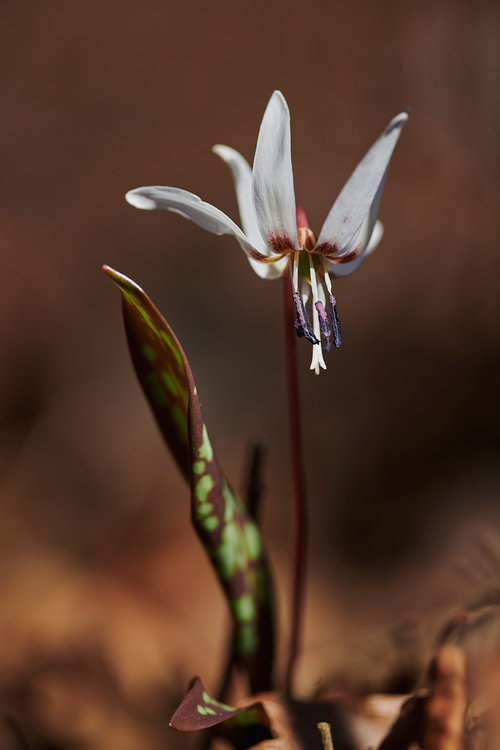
[276,237]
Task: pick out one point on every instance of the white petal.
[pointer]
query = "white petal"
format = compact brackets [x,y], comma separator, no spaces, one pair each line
[242,176]
[377,234]
[191,207]
[273,193]
[270,271]
[360,197]
[344,269]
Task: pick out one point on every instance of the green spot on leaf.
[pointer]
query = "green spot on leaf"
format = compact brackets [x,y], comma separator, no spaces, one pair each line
[244,608]
[147,318]
[208,699]
[230,555]
[169,341]
[149,352]
[198,467]
[179,418]
[204,485]
[204,509]
[228,500]
[170,382]
[205,449]
[210,523]
[252,541]
[156,391]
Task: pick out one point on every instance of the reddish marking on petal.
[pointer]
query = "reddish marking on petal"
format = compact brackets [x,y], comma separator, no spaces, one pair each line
[326,248]
[347,257]
[281,244]
[256,255]
[301,217]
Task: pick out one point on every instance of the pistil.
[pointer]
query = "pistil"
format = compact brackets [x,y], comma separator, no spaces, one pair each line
[317,356]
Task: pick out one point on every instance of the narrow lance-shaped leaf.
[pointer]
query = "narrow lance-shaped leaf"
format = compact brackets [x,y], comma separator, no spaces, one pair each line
[221,520]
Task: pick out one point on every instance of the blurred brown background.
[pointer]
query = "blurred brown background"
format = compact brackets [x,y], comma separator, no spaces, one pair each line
[108,606]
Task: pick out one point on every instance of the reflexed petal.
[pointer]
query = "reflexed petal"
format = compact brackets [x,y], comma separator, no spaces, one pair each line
[269,271]
[377,234]
[344,269]
[242,176]
[191,207]
[360,197]
[273,192]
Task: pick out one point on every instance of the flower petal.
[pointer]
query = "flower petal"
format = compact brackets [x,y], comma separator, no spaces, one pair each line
[345,267]
[242,175]
[360,197]
[377,234]
[191,207]
[273,193]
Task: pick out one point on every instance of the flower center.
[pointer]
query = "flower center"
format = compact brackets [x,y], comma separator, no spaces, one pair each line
[309,270]
[307,238]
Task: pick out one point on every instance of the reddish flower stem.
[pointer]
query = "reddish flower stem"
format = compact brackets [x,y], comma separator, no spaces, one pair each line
[299,487]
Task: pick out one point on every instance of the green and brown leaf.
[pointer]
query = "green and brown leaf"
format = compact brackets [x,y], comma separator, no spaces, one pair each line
[223,523]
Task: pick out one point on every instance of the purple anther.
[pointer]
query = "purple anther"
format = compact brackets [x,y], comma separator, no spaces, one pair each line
[302,325]
[324,325]
[337,334]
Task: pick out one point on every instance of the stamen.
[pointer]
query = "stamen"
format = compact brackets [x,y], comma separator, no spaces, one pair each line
[302,324]
[312,276]
[324,324]
[295,274]
[337,333]
[328,281]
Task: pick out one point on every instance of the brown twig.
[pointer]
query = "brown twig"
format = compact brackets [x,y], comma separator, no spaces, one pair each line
[326,735]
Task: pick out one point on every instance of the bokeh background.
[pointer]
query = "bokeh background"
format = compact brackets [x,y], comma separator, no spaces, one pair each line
[108,606]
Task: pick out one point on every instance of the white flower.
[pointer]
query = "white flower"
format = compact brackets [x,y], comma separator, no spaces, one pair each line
[276,237]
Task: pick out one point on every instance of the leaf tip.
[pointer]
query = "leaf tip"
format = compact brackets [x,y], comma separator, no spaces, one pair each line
[123,282]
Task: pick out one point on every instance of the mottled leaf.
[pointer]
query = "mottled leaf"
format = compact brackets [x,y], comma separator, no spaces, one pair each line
[198,710]
[275,721]
[225,526]
[160,365]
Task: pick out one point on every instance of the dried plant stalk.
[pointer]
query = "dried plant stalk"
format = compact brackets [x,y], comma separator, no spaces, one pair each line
[445,709]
